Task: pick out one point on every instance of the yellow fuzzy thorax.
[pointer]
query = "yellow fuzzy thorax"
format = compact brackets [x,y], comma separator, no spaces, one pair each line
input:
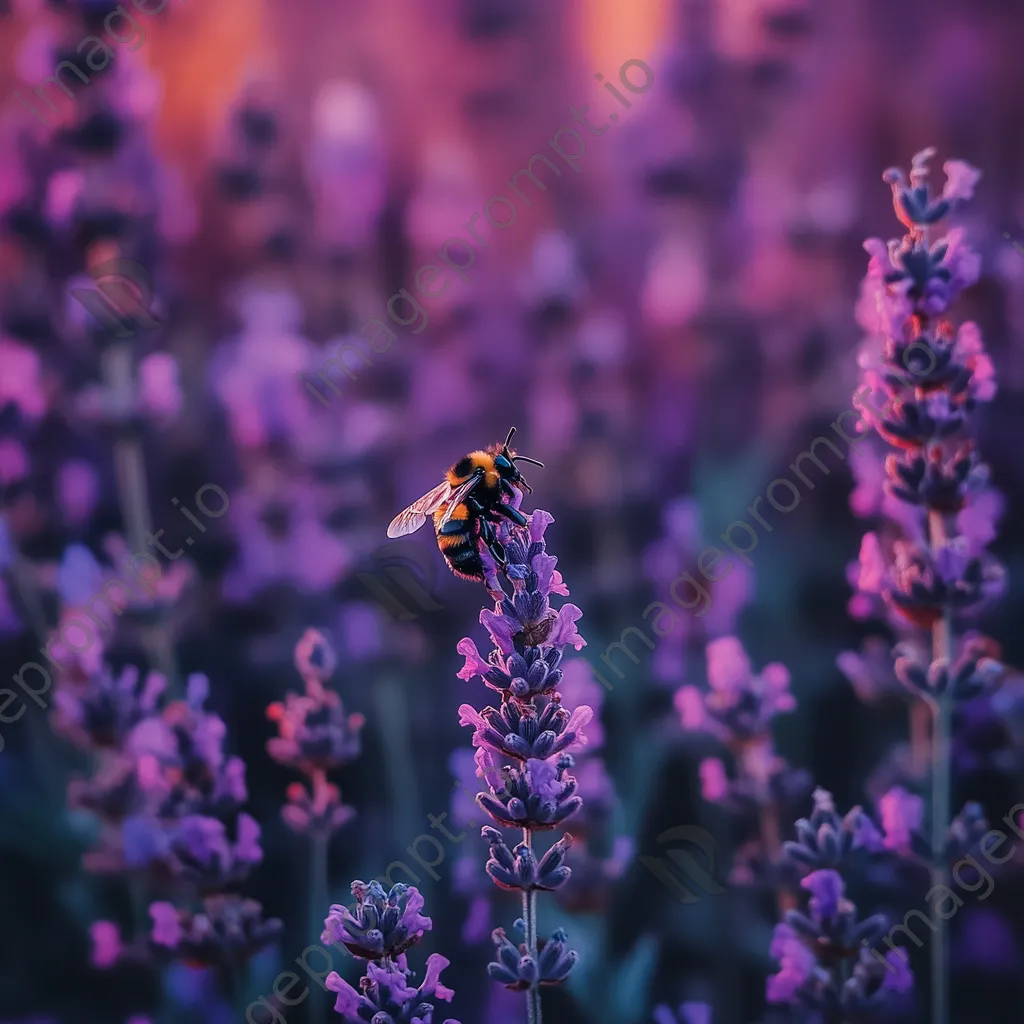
[478,460]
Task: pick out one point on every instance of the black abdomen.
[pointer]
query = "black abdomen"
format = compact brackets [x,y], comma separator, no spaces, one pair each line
[458,540]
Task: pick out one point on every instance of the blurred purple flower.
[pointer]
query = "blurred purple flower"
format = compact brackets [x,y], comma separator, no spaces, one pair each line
[314,657]
[826,888]
[159,390]
[796,965]
[740,704]
[902,814]
[961,178]
[689,1013]
[106,944]
[224,933]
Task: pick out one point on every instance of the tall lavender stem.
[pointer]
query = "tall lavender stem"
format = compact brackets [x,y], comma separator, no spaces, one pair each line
[534,731]
[119,377]
[319,838]
[381,927]
[316,735]
[942,649]
[934,375]
[533,1012]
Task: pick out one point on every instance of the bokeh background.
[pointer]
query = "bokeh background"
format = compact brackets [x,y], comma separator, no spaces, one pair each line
[667,329]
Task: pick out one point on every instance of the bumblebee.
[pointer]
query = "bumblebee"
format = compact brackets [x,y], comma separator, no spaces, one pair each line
[475,494]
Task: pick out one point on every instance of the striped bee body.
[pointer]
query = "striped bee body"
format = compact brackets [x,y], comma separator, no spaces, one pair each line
[458,539]
[477,492]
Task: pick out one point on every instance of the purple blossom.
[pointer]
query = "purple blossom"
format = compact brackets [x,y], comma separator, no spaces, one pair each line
[524,731]
[741,703]
[167,929]
[533,731]
[383,924]
[538,797]
[201,850]
[224,932]
[315,735]
[923,379]
[826,888]
[961,178]
[322,812]
[106,944]
[387,994]
[826,840]
[314,657]
[519,968]
[796,965]
[713,780]
[519,869]
[381,928]
[819,954]
[103,712]
[902,814]
[688,1013]
[314,732]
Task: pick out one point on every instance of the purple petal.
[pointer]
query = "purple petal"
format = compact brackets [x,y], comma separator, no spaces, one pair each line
[247,847]
[468,715]
[475,665]
[544,566]
[544,779]
[564,629]
[348,1000]
[502,628]
[412,920]
[539,522]
[826,889]
[961,178]
[728,665]
[432,979]
[166,926]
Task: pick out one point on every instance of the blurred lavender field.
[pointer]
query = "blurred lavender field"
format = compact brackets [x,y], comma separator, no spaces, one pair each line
[751,750]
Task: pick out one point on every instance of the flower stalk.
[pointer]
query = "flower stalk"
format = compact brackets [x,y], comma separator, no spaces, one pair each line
[942,715]
[524,747]
[934,570]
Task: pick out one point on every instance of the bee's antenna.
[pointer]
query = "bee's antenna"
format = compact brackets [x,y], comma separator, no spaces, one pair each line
[523,458]
[508,440]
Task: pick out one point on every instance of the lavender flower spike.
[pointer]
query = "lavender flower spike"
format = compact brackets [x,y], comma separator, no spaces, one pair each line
[384,925]
[924,379]
[386,995]
[825,958]
[523,747]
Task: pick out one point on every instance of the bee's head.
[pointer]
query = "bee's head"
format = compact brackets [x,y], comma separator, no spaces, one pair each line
[505,463]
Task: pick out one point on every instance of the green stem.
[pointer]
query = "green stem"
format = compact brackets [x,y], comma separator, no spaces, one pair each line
[941,787]
[130,468]
[25,597]
[533,1015]
[920,724]
[942,647]
[318,897]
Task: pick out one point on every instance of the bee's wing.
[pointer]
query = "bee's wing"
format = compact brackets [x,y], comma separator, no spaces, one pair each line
[412,518]
[458,495]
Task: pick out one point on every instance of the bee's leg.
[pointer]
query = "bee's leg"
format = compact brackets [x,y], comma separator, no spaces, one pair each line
[490,538]
[509,512]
